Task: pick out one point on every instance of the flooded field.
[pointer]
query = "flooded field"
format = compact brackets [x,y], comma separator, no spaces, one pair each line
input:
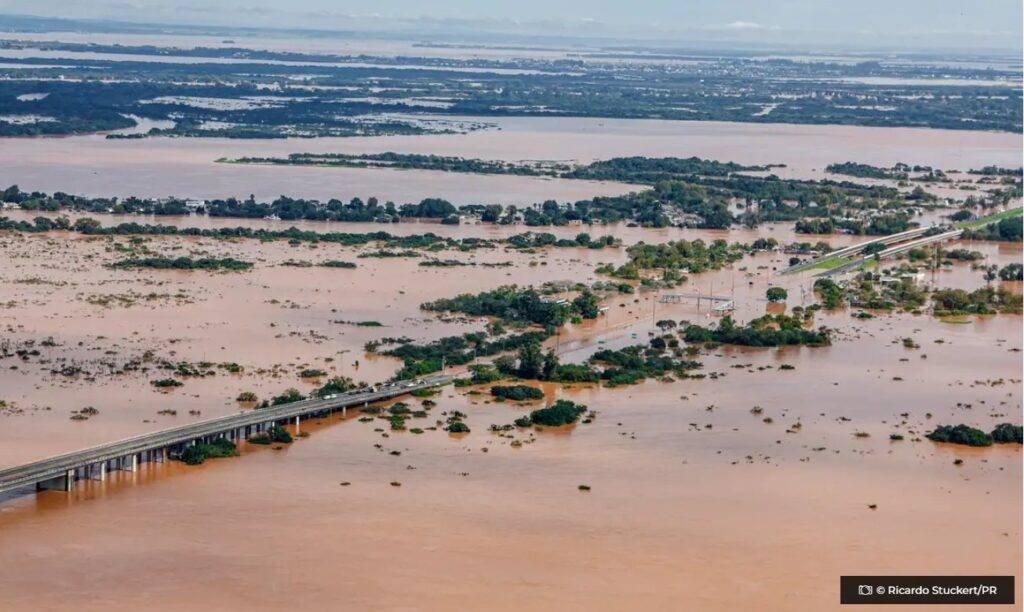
[627,233]
[678,516]
[158,167]
[672,466]
[696,500]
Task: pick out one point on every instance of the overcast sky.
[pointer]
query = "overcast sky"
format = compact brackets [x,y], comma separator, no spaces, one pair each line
[993,24]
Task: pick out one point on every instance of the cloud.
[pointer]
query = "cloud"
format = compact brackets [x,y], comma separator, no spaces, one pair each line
[741,25]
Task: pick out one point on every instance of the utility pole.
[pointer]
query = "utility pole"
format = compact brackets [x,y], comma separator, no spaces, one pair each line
[732,276]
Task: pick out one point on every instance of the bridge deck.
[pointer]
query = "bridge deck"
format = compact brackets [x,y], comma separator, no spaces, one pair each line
[892,251]
[856,248]
[58,466]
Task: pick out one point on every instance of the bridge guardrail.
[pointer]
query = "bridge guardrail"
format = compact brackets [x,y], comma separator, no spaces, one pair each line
[50,467]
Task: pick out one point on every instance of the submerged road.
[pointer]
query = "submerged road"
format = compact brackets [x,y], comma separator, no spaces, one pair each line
[61,471]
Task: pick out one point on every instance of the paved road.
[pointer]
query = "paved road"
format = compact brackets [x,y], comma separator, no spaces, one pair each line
[857,248]
[58,466]
[892,252]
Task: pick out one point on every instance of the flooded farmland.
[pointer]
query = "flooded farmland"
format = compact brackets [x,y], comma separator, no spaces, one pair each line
[714,493]
[186,167]
[672,466]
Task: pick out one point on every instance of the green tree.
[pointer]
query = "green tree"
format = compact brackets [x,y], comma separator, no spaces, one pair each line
[531,362]
[290,395]
[776,294]
[1012,272]
[586,305]
[491,213]
[86,224]
[505,365]
[550,365]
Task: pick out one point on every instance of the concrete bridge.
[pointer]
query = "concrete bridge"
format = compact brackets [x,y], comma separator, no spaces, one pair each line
[858,248]
[845,259]
[892,251]
[62,471]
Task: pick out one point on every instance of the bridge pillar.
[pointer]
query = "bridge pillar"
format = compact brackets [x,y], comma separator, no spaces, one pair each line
[66,482]
[97,471]
[129,463]
[296,424]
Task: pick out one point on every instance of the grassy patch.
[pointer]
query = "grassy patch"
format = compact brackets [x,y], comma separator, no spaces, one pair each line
[1006,214]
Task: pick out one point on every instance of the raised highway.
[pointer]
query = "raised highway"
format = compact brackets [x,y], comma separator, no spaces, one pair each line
[853,249]
[844,259]
[892,251]
[61,471]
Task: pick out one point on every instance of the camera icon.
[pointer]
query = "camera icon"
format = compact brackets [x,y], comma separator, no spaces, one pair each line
[865,589]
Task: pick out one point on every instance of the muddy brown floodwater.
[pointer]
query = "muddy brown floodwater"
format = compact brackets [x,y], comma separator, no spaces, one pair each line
[695,501]
[186,167]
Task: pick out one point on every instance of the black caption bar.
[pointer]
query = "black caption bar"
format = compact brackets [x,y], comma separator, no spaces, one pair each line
[926,590]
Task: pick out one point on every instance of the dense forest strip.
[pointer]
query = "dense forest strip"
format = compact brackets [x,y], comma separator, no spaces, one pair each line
[429,241]
[642,170]
[410,161]
[690,192]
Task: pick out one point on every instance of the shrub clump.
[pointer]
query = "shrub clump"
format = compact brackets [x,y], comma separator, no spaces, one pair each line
[987,300]
[561,412]
[166,383]
[960,434]
[769,330]
[517,393]
[184,263]
[1006,433]
[515,305]
[197,453]
[274,434]
[458,427]
[334,263]
[289,396]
